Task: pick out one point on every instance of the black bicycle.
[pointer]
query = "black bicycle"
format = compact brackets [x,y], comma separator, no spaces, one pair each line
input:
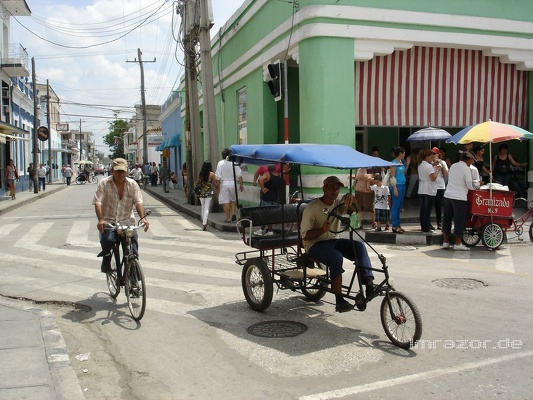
[127,271]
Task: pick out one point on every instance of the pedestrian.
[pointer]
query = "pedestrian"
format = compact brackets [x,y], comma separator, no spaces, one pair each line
[153,174]
[63,173]
[397,180]
[41,175]
[205,179]
[225,183]
[270,184]
[442,177]
[67,174]
[502,164]
[364,197]
[427,188]
[31,176]
[173,179]
[11,176]
[137,174]
[460,181]
[184,177]
[164,176]
[381,202]
[413,172]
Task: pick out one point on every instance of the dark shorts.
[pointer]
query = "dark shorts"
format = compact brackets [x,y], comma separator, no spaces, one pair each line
[382,216]
[365,201]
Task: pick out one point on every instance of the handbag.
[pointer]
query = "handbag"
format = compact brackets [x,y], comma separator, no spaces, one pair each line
[198,188]
[386,179]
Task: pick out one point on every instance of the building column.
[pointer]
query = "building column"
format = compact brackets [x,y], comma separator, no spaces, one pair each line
[327,100]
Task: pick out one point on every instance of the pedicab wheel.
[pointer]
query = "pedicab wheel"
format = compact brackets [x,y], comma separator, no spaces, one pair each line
[492,236]
[401,320]
[314,289]
[257,284]
[470,238]
[531,232]
[112,277]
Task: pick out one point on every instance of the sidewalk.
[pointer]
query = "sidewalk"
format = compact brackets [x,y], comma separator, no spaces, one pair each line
[413,235]
[35,358]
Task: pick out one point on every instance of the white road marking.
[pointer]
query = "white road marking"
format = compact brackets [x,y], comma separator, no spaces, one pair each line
[504,260]
[339,393]
[7,229]
[79,234]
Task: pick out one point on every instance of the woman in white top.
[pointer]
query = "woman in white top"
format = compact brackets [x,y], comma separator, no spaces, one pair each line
[427,188]
[441,184]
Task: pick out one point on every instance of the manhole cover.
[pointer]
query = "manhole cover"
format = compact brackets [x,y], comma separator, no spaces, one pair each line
[459,283]
[277,329]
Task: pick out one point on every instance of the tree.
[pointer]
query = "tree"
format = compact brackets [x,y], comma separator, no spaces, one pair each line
[115,138]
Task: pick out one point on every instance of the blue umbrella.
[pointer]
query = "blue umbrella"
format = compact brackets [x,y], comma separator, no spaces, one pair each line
[429,134]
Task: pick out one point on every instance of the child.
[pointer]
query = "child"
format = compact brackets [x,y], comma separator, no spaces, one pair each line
[381,202]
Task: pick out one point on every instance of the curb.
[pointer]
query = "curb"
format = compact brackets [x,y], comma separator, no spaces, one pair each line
[64,379]
[39,195]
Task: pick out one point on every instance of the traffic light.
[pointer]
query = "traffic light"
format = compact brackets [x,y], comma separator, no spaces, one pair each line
[275,83]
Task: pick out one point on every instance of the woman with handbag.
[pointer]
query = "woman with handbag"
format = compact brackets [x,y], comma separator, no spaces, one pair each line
[11,177]
[205,190]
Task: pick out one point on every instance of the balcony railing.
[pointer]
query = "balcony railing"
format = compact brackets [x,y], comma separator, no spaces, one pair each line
[15,62]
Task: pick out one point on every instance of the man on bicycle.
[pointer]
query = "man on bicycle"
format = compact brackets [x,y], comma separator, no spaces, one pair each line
[114,200]
[324,245]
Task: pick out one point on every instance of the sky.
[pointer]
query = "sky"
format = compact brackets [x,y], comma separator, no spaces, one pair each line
[83,47]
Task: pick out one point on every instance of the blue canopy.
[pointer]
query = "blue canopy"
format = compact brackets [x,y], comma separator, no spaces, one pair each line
[323,155]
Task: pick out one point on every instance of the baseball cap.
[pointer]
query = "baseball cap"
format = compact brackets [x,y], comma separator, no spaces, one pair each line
[436,150]
[333,180]
[119,164]
[468,154]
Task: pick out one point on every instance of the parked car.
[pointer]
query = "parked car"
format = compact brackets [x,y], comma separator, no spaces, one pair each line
[99,169]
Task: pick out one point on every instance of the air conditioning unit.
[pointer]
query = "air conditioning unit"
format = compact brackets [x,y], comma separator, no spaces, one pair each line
[5,93]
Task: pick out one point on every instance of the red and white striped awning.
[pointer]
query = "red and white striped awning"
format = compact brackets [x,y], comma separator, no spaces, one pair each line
[440,87]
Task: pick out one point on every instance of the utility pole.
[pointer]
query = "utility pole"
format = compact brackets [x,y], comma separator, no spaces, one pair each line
[35,124]
[143,106]
[79,160]
[208,90]
[50,165]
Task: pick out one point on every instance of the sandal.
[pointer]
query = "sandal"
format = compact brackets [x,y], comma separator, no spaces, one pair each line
[397,230]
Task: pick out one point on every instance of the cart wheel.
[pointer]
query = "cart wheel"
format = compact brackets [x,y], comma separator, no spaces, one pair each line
[470,238]
[531,232]
[401,320]
[492,236]
[257,284]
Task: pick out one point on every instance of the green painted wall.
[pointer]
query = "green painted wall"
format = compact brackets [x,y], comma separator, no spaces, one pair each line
[327,103]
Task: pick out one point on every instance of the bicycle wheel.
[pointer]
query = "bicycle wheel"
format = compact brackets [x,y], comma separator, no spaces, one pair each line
[135,290]
[112,277]
[78,181]
[531,232]
[94,179]
[257,284]
[401,320]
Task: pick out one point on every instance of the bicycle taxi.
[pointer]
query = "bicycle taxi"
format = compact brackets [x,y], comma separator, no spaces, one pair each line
[280,260]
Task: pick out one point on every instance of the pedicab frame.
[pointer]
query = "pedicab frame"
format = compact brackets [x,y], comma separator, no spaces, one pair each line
[281,259]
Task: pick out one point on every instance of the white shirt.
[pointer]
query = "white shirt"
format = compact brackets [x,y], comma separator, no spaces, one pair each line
[441,183]
[460,181]
[381,197]
[224,171]
[425,184]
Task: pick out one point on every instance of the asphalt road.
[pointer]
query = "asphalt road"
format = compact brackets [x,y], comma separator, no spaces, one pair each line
[193,341]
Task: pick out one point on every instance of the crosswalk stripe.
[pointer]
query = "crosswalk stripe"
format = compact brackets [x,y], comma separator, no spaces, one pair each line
[7,229]
[79,234]
[505,261]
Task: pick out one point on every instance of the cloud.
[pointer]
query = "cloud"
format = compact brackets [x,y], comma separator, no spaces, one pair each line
[102,75]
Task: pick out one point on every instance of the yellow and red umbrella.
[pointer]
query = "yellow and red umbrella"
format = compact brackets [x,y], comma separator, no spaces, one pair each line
[491,132]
